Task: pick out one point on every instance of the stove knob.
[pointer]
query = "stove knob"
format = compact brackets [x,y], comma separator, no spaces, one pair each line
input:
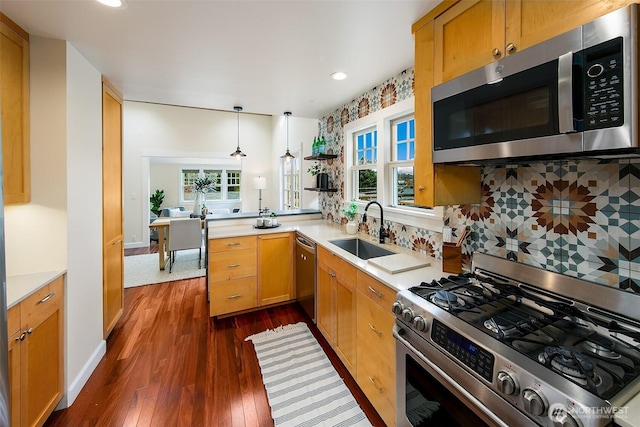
[397,307]
[533,402]
[507,383]
[561,418]
[407,315]
[420,323]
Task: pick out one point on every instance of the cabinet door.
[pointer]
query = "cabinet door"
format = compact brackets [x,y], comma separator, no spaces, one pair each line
[531,22]
[231,265]
[346,309]
[435,185]
[275,268]
[15,335]
[232,295]
[112,231]
[469,35]
[41,355]
[326,314]
[14,96]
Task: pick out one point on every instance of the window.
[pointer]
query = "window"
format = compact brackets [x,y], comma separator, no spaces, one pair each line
[365,173]
[226,184]
[291,184]
[379,165]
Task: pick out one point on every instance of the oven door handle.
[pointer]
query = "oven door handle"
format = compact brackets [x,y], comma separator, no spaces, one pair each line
[398,332]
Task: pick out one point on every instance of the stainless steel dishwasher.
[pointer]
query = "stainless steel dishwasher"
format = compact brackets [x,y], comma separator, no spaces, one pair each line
[306,275]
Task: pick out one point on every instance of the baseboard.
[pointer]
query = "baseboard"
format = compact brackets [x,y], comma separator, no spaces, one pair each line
[76,386]
[135,245]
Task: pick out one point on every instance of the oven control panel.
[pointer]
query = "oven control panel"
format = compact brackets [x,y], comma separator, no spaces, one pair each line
[473,356]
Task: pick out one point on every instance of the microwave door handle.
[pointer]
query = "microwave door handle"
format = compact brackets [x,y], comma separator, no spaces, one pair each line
[565,93]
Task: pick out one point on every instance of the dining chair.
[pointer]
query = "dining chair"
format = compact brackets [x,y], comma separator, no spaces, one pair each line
[184,234]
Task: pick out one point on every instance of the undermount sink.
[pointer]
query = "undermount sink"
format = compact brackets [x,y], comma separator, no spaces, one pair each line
[361,248]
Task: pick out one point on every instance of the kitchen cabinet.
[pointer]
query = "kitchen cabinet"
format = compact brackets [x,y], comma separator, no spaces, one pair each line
[275,268]
[337,305]
[112,201]
[14,98]
[472,34]
[36,355]
[376,345]
[233,282]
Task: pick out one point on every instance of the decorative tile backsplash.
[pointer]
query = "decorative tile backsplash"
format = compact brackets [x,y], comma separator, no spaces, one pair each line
[576,217]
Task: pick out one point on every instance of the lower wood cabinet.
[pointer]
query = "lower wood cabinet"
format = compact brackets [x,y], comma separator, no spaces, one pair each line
[36,370]
[247,272]
[336,317]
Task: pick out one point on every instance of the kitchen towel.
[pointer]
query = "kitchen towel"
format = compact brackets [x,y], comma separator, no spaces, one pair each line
[302,386]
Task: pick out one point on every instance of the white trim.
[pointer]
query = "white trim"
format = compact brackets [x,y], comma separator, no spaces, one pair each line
[430,219]
[85,373]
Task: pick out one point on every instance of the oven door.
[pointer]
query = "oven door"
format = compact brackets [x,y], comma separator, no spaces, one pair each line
[426,395]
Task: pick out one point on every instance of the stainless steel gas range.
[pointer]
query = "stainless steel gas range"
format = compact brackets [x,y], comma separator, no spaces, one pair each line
[510,344]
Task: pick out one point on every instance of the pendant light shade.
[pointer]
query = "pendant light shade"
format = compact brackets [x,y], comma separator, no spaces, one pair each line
[287,156]
[238,154]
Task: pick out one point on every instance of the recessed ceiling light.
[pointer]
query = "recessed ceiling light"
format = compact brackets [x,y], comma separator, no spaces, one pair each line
[338,75]
[114,3]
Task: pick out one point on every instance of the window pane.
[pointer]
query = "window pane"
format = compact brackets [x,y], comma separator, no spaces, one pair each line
[188,178]
[403,184]
[233,185]
[214,175]
[367,184]
[401,151]
[402,131]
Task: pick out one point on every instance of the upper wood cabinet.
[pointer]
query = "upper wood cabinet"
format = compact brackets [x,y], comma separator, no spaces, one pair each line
[473,33]
[14,96]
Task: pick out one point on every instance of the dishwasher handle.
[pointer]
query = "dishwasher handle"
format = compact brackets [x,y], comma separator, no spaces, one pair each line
[302,242]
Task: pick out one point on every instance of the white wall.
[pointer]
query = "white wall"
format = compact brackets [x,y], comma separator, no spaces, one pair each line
[152,131]
[61,227]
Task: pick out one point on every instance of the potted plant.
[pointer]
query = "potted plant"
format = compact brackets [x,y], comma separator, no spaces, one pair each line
[201,185]
[156,201]
[350,213]
[320,172]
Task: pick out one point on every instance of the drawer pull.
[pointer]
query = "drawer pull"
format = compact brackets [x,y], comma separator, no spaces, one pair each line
[21,337]
[234,296]
[332,274]
[233,265]
[376,293]
[373,328]
[30,331]
[117,242]
[375,384]
[47,298]
[233,244]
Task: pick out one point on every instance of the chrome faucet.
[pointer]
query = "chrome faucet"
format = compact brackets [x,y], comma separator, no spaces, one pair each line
[383,233]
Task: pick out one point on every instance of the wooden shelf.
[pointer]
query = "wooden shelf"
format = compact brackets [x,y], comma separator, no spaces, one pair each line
[319,190]
[321,157]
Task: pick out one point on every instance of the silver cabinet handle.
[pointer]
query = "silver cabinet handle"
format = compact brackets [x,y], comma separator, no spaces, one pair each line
[21,337]
[234,296]
[376,293]
[375,384]
[511,48]
[47,298]
[373,328]
[30,331]
[233,265]
[332,274]
[496,53]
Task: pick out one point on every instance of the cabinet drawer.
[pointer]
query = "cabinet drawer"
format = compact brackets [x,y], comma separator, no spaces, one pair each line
[376,377]
[13,320]
[233,295]
[381,294]
[340,267]
[232,244]
[232,265]
[42,302]
[374,328]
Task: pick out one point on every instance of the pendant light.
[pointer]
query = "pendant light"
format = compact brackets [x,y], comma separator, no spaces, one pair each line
[238,154]
[287,156]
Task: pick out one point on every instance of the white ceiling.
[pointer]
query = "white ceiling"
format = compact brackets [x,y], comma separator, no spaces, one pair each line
[266,56]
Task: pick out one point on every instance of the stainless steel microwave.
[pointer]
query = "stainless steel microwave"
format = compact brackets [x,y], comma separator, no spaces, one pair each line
[573,95]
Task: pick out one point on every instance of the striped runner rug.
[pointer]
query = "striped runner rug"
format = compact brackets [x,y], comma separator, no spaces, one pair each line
[302,386]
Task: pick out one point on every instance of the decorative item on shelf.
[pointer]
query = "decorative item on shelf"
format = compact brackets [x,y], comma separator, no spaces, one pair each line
[322,177]
[201,186]
[238,154]
[156,201]
[287,156]
[350,213]
[319,146]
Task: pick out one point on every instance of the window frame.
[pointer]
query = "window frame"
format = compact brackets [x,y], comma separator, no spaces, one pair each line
[224,182]
[296,178]
[382,120]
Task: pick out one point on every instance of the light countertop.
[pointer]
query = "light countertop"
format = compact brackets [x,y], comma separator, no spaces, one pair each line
[21,286]
[322,232]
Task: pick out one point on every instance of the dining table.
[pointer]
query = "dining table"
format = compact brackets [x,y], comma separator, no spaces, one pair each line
[162,224]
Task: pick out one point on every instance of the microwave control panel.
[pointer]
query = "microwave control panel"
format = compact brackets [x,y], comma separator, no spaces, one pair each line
[603,81]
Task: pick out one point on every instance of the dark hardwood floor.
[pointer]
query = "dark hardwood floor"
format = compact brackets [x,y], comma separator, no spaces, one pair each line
[169,364]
